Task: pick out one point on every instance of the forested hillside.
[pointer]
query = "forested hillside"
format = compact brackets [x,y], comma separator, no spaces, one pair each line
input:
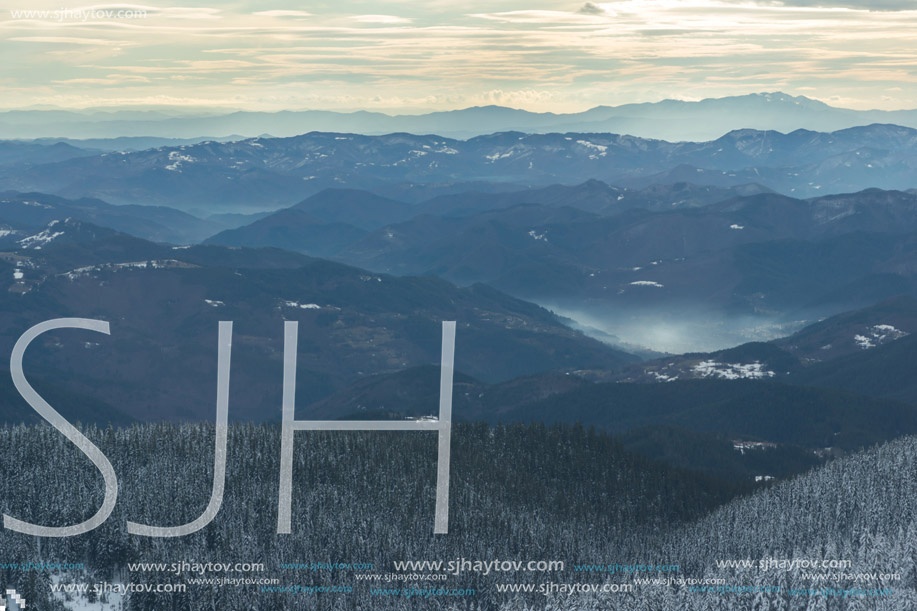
[861,509]
[518,492]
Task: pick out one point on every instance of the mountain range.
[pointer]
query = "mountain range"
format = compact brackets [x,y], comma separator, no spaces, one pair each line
[369,340]
[24,214]
[164,304]
[668,120]
[737,263]
[262,174]
[729,265]
[653,247]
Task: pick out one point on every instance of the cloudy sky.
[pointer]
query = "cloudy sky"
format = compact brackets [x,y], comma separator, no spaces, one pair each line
[412,56]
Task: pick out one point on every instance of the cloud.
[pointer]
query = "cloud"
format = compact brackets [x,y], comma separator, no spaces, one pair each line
[119,5]
[865,5]
[380,19]
[539,16]
[591,9]
[282,13]
[111,79]
[519,98]
[189,12]
[71,40]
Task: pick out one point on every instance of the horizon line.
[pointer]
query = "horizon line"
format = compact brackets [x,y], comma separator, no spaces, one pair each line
[217,110]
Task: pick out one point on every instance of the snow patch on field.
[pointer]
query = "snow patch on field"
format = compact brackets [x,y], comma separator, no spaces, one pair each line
[601,149]
[877,335]
[864,342]
[302,306]
[496,156]
[428,418]
[40,239]
[177,159]
[732,371]
[741,446]
[33,204]
[153,264]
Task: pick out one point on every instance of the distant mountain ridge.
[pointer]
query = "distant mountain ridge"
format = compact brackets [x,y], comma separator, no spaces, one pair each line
[613,249]
[22,212]
[668,120]
[261,174]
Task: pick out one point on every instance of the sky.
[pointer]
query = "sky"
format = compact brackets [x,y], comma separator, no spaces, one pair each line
[410,56]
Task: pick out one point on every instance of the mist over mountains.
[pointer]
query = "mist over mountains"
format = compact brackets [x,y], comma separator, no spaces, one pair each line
[678,268]
[667,120]
[268,173]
